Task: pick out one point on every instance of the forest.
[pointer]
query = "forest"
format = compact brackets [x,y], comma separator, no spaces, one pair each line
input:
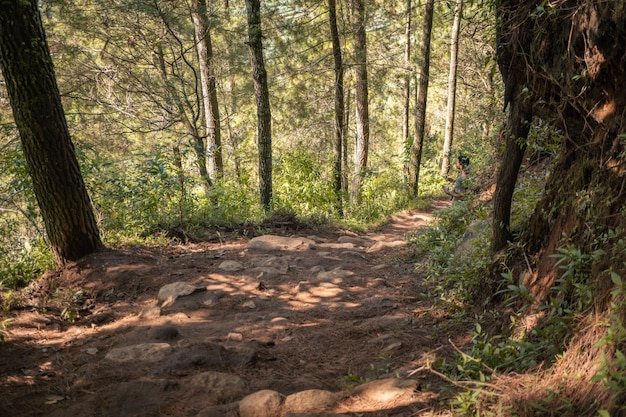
[155,126]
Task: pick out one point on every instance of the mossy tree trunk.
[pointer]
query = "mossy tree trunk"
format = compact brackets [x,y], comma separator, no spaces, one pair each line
[570,59]
[34,95]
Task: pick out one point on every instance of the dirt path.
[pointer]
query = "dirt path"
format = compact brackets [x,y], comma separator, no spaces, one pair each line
[289,323]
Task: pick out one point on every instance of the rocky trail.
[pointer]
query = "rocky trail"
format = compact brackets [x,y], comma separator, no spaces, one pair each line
[290,323]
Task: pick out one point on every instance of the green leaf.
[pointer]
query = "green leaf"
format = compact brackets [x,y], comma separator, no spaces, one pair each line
[617,280]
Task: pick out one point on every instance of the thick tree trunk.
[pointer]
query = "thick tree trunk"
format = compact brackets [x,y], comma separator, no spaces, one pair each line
[454,52]
[570,64]
[361,147]
[209,91]
[34,95]
[339,105]
[264,115]
[422,94]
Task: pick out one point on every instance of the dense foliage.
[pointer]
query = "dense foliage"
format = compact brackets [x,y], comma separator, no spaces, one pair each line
[128,74]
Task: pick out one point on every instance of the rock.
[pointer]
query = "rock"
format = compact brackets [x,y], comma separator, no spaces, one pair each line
[149,352]
[265,272]
[322,414]
[170,292]
[310,400]
[280,264]
[337,273]
[468,242]
[221,387]
[272,242]
[237,337]
[385,245]
[386,390]
[240,356]
[265,403]
[231,266]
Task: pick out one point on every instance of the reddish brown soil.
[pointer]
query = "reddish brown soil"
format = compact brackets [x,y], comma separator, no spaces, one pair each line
[379,322]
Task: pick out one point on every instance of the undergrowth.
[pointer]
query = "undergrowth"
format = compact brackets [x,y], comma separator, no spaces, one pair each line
[567,343]
[454,252]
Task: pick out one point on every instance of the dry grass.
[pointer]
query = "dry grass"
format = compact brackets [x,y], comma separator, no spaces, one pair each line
[567,388]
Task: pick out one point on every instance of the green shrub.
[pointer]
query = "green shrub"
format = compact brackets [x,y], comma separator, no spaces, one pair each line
[456,252]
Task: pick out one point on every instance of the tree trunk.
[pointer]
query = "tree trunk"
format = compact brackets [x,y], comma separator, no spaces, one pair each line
[345,185]
[339,103]
[516,131]
[407,76]
[454,51]
[34,95]
[197,141]
[209,92]
[264,115]
[361,147]
[512,63]
[422,94]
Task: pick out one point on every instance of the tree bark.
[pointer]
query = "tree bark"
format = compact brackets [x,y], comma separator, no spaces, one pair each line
[454,51]
[361,147]
[345,186]
[511,49]
[422,95]
[339,106]
[34,95]
[261,91]
[209,91]
[407,76]
[516,131]
[197,141]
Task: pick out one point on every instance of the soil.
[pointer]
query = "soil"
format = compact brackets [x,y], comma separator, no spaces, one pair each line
[326,309]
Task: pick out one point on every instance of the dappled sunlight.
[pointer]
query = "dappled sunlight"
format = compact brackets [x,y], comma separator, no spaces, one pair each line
[332,317]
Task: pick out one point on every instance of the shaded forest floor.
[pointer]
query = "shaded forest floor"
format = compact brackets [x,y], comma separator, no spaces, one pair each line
[295,310]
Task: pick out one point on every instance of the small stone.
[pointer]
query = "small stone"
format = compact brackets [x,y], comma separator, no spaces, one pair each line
[231,266]
[310,400]
[171,292]
[386,390]
[249,304]
[265,403]
[221,387]
[149,352]
[237,337]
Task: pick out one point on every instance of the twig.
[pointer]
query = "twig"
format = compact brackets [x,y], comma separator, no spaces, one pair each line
[530,270]
[465,384]
[465,355]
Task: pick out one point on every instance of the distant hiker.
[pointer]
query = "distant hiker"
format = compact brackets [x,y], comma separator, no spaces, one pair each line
[460,183]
